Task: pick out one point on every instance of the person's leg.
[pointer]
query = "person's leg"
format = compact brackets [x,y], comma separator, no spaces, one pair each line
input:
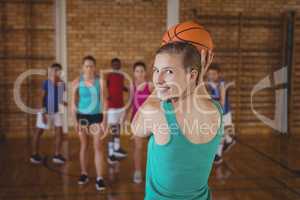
[98,142]
[229,132]
[229,140]
[58,131]
[36,141]
[58,123]
[137,159]
[99,151]
[40,126]
[83,153]
[218,156]
[220,148]
[35,157]
[111,120]
[137,156]
[58,140]
[58,157]
[116,132]
[228,127]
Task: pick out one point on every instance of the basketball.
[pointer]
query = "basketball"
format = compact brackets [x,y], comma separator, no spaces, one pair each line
[190,32]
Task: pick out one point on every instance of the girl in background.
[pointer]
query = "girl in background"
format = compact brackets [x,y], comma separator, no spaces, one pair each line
[88,110]
[141,90]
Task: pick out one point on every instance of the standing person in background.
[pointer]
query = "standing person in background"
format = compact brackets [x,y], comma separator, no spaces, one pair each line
[116,111]
[141,90]
[89,113]
[53,89]
[216,87]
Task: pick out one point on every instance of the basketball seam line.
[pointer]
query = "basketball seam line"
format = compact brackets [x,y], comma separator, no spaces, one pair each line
[191,29]
[188,40]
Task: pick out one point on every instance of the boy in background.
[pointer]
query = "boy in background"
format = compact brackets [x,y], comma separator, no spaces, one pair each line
[116,110]
[53,90]
[216,87]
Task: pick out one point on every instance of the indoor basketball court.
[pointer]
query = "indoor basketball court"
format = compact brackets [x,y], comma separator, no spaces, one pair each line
[90,91]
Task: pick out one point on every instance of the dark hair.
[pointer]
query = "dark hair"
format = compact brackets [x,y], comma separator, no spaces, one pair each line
[89,57]
[139,63]
[215,67]
[191,56]
[115,60]
[56,65]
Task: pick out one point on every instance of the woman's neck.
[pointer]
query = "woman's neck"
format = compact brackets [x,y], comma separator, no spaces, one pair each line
[139,81]
[88,76]
[199,90]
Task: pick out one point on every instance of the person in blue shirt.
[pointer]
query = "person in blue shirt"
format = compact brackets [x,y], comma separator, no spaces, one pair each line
[53,91]
[217,89]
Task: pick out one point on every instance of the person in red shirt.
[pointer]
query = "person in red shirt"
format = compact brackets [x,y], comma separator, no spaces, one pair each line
[116,110]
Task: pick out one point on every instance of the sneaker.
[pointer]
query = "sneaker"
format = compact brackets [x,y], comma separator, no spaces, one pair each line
[36,159]
[58,159]
[112,159]
[100,186]
[137,177]
[83,179]
[228,145]
[218,159]
[120,153]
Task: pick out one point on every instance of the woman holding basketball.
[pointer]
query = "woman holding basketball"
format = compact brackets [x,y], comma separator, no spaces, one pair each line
[88,110]
[185,124]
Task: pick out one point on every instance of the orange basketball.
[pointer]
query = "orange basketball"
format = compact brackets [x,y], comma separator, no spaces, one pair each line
[190,32]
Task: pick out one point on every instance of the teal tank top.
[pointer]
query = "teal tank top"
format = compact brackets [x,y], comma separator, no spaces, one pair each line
[179,170]
[89,98]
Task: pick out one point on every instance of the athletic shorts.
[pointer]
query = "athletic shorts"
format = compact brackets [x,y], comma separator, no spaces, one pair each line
[115,115]
[53,119]
[89,119]
[227,119]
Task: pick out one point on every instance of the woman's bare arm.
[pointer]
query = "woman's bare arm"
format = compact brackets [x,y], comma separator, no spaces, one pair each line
[74,98]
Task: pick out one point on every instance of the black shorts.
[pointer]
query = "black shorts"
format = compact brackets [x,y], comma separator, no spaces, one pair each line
[86,119]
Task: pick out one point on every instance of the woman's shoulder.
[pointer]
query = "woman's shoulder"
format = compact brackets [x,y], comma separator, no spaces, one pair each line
[150,86]
[76,81]
[210,108]
[208,105]
[151,103]
[209,114]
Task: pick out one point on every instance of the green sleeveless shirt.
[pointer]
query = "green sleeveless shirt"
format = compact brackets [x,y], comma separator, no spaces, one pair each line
[180,168]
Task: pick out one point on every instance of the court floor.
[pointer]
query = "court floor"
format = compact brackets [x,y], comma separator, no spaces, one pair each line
[257,168]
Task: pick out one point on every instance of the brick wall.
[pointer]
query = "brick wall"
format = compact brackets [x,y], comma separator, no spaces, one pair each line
[130,30]
[27,42]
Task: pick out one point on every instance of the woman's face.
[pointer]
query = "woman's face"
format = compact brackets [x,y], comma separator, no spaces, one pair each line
[89,67]
[169,76]
[139,73]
